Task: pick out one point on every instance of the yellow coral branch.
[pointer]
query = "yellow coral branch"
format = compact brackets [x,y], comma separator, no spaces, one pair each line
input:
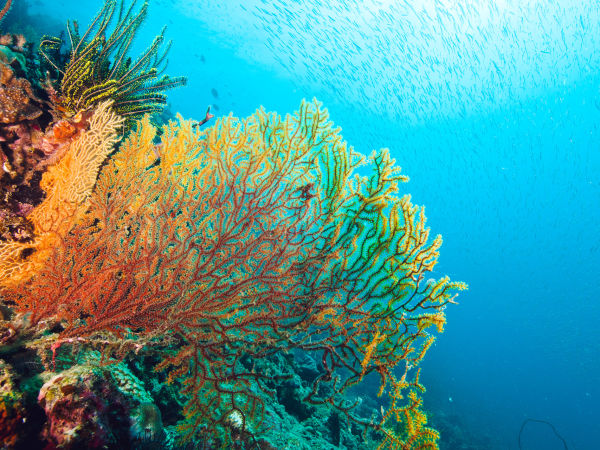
[68,185]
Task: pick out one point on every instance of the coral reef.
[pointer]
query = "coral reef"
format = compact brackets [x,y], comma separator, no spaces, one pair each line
[245,240]
[27,21]
[46,131]
[98,406]
[83,408]
[34,164]
[21,116]
[17,100]
[222,285]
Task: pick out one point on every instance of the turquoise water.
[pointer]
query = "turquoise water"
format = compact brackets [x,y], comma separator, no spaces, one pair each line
[493,110]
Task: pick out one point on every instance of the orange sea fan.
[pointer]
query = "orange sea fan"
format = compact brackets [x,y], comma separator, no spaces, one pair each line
[67,185]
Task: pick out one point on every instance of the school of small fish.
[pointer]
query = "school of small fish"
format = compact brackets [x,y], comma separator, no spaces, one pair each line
[414,59]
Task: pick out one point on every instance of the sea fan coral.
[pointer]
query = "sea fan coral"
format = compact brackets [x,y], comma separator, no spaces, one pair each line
[251,238]
[5,9]
[67,184]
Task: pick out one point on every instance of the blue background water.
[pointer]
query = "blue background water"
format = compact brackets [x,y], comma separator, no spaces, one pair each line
[493,110]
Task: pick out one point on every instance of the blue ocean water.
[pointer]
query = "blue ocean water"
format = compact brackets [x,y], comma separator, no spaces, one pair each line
[493,110]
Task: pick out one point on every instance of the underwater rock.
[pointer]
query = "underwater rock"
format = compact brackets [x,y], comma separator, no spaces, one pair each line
[12,411]
[83,408]
[306,366]
[17,100]
[98,406]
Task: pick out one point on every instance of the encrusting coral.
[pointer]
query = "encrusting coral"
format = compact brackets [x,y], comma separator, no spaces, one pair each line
[12,410]
[83,408]
[17,100]
[116,407]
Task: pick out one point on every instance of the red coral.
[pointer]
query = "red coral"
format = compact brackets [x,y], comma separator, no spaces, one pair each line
[5,9]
